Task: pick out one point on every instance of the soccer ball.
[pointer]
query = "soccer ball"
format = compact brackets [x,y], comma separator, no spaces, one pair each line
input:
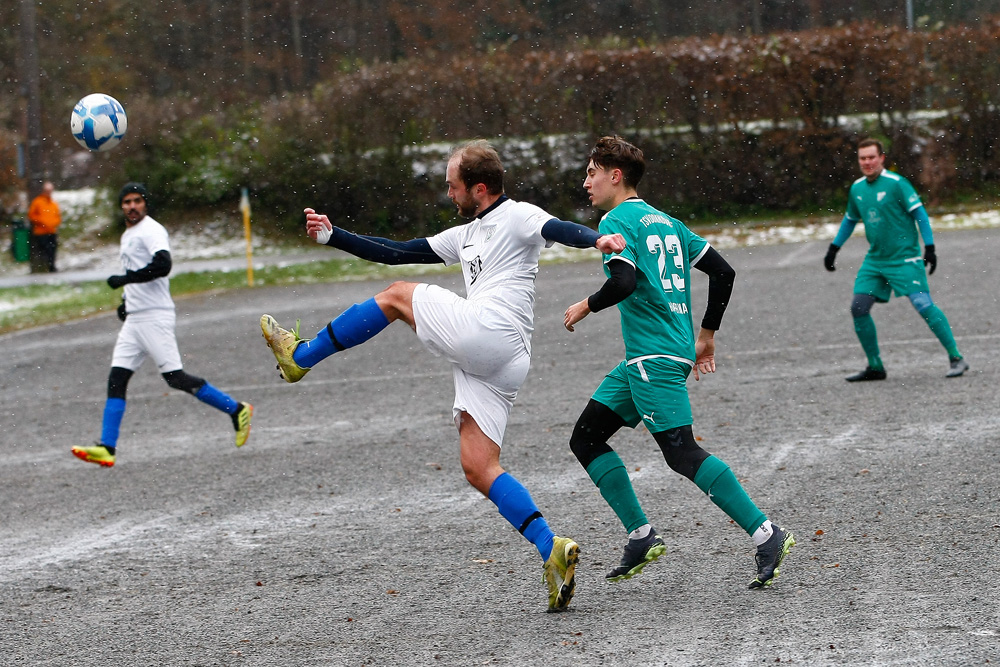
[98,122]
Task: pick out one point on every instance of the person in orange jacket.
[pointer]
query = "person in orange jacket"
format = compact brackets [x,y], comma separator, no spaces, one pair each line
[45,220]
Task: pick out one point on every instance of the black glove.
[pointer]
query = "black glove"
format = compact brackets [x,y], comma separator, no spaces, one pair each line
[121,311]
[930,258]
[831,255]
[114,282]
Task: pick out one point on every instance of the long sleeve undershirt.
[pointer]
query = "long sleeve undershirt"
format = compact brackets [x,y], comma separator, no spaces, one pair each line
[384,251]
[158,267]
[419,251]
[622,282]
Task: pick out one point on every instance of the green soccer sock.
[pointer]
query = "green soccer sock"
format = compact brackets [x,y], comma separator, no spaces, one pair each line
[716,479]
[938,323]
[864,326]
[609,474]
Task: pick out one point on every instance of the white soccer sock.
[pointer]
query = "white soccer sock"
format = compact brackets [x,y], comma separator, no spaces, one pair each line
[641,532]
[762,534]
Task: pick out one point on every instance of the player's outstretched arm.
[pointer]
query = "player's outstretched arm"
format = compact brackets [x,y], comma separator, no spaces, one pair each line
[370,248]
[609,244]
[579,236]
[318,226]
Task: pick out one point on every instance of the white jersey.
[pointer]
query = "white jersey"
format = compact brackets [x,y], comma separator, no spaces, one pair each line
[499,255]
[138,245]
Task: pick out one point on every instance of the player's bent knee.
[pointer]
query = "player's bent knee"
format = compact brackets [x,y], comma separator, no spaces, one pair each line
[587,444]
[480,480]
[396,300]
[183,381]
[861,305]
[118,381]
[592,431]
[398,291]
[681,451]
[921,301]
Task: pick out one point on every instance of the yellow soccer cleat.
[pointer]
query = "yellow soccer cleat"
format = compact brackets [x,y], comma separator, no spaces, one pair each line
[560,571]
[98,454]
[283,343]
[241,422]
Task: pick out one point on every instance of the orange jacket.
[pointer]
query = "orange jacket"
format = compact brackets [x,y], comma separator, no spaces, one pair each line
[44,215]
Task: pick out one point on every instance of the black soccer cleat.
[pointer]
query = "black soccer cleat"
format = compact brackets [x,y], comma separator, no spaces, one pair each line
[769,556]
[638,554]
[867,375]
[958,367]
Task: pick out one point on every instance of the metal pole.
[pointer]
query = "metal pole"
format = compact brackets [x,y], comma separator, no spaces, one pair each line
[909,14]
[245,208]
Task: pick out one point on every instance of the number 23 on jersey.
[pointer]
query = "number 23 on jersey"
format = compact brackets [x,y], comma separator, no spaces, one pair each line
[670,246]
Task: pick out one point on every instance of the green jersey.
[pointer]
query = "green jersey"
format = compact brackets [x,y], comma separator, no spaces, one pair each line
[656,317]
[885,206]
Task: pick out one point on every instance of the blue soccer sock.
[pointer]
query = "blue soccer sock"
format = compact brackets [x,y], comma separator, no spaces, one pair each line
[515,505]
[354,326]
[217,399]
[114,410]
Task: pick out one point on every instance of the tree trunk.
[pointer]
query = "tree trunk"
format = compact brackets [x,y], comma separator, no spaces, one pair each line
[32,90]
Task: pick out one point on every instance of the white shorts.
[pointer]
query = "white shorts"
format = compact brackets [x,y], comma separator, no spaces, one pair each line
[489,359]
[148,333]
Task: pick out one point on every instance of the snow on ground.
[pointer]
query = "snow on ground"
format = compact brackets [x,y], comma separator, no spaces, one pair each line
[87,213]
[224,237]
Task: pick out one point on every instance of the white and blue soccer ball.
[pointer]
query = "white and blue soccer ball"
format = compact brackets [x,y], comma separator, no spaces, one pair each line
[98,122]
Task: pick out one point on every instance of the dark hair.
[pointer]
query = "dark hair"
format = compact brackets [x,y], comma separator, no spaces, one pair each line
[139,188]
[616,153]
[865,143]
[479,163]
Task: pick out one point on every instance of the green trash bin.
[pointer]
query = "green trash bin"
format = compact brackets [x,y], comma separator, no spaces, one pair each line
[20,242]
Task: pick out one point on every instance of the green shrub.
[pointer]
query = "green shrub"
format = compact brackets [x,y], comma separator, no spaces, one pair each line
[730,126]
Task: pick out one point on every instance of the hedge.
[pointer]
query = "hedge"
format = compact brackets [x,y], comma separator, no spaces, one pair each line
[729,125]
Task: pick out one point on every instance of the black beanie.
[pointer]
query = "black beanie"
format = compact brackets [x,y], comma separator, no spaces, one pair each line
[129,188]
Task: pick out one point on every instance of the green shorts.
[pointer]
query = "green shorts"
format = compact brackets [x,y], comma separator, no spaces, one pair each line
[653,391]
[881,281]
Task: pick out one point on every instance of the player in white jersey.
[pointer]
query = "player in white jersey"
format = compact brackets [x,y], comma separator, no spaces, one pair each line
[486,336]
[148,330]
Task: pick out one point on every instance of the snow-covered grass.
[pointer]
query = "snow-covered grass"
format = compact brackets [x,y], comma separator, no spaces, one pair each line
[89,243]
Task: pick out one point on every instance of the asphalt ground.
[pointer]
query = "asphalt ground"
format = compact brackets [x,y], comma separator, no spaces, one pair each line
[344,532]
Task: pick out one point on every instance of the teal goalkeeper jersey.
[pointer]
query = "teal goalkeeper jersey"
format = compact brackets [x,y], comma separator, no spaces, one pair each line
[656,317]
[886,207]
